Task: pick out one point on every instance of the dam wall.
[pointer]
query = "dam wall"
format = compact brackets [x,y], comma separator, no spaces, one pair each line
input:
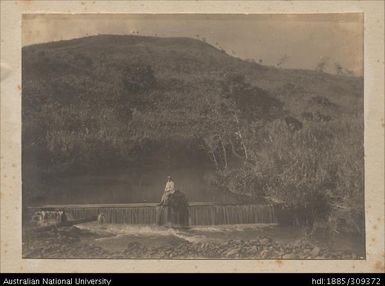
[148,213]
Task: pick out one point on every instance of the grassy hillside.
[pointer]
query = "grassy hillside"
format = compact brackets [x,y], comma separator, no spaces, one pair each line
[106,103]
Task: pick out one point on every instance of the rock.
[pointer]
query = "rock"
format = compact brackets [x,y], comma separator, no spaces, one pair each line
[176,207]
[232,252]
[315,251]
[296,243]
[265,253]
[264,241]
[288,256]
[280,253]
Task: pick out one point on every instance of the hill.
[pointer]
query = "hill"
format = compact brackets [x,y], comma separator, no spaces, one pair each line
[176,63]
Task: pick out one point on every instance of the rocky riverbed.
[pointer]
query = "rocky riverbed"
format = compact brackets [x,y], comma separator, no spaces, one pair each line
[221,242]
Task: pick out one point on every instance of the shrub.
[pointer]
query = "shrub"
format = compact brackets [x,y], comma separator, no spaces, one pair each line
[315,173]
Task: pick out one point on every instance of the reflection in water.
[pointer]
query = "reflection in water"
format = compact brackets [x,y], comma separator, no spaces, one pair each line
[127,186]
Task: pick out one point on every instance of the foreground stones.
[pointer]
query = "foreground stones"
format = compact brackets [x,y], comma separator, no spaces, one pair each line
[71,242]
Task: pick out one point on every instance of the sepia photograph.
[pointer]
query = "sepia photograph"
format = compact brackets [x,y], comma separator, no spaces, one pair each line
[193,136]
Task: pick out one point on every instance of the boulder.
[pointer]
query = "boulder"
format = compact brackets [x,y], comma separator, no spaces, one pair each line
[316,251]
[174,210]
[288,256]
[265,241]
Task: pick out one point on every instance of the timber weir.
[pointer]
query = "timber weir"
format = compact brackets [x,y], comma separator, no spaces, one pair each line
[149,213]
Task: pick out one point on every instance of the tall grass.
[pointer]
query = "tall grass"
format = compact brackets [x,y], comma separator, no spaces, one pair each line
[315,173]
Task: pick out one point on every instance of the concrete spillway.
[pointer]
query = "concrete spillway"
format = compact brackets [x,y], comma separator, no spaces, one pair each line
[148,213]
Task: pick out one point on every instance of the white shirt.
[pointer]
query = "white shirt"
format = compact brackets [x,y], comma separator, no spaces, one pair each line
[170,187]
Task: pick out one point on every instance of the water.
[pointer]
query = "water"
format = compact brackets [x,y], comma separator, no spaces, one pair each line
[129,187]
[231,214]
[115,237]
[130,230]
[199,214]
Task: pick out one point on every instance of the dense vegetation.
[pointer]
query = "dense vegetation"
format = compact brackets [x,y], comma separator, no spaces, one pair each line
[109,102]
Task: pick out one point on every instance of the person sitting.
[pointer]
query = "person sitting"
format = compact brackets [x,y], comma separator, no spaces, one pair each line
[168,190]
